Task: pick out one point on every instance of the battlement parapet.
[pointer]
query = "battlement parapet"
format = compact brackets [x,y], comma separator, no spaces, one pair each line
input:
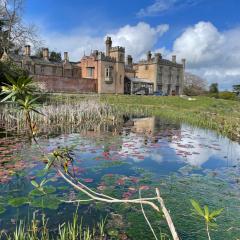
[117,48]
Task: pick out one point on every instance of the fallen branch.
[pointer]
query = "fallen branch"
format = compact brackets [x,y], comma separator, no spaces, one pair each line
[101,199]
[167,216]
[144,214]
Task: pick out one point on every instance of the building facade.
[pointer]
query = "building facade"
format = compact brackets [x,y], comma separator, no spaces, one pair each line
[104,72]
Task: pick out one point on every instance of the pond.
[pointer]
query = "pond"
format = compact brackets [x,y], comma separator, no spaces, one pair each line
[183,161]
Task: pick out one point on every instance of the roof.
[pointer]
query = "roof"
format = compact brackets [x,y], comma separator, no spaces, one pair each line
[142,80]
[37,60]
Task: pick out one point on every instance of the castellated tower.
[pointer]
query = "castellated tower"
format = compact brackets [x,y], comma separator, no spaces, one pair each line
[108,43]
[117,54]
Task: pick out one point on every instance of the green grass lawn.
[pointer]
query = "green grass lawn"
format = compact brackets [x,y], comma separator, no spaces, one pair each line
[217,114]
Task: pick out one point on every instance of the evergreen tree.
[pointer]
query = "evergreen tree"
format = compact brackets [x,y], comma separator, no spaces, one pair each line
[213,88]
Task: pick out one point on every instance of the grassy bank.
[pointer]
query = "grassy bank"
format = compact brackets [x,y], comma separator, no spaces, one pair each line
[217,114]
[220,115]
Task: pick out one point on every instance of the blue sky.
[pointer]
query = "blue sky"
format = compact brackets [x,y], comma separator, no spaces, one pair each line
[205,32]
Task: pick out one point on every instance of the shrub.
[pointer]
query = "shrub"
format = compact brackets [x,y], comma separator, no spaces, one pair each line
[227,95]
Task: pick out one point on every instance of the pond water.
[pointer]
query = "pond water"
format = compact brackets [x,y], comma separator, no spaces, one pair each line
[184,162]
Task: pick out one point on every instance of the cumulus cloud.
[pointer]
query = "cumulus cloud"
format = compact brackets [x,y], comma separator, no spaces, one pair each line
[136,39]
[212,54]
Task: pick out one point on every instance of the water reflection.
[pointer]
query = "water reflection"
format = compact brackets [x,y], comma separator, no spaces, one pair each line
[151,144]
[156,140]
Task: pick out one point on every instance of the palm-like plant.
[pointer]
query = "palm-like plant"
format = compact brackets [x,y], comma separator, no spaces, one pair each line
[209,218]
[17,88]
[20,91]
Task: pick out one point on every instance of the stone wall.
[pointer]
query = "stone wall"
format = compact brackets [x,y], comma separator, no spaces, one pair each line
[65,84]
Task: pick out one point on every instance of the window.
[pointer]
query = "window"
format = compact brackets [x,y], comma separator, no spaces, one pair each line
[160,77]
[120,80]
[108,73]
[90,71]
[146,67]
[177,78]
[42,69]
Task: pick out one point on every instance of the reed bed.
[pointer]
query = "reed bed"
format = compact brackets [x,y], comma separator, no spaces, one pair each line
[38,230]
[86,114]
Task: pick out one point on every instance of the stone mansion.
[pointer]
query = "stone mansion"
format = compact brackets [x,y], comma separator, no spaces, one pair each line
[108,72]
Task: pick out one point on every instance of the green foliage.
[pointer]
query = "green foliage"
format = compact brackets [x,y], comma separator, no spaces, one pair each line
[40,186]
[2,209]
[55,56]
[227,95]
[208,217]
[236,89]
[11,69]
[213,88]
[62,156]
[19,201]
[18,89]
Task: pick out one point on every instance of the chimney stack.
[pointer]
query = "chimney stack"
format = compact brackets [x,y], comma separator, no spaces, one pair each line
[66,59]
[149,56]
[27,51]
[174,58]
[158,57]
[184,62]
[46,54]
[108,45]
[129,60]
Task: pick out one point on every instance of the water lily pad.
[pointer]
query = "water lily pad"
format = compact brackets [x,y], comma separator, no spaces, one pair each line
[19,201]
[47,201]
[2,209]
[63,188]
[46,190]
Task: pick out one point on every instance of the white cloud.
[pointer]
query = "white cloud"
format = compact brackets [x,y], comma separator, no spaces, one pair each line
[212,54]
[160,6]
[157,7]
[136,39]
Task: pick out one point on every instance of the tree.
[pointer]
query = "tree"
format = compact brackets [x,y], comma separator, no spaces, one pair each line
[236,89]
[194,85]
[14,34]
[8,68]
[213,88]
[55,56]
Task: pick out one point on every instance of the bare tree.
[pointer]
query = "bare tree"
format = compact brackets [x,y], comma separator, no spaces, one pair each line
[194,85]
[14,32]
